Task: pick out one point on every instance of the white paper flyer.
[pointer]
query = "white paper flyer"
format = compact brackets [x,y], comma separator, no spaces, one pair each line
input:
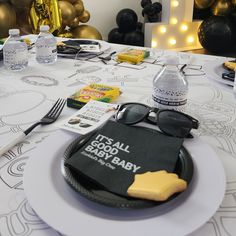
[89,117]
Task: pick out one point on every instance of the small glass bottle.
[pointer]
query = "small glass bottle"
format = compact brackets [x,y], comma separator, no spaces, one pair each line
[46,46]
[170,87]
[15,52]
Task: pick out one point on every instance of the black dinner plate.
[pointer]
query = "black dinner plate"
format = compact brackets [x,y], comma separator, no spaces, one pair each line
[77,43]
[1,54]
[90,190]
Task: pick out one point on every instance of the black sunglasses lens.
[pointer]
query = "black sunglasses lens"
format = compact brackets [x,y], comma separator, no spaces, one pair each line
[174,123]
[131,113]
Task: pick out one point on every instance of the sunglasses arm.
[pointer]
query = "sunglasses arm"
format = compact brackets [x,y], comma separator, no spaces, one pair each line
[195,122]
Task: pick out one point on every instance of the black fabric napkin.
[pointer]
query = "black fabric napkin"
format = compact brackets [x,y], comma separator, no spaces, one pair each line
[117,152]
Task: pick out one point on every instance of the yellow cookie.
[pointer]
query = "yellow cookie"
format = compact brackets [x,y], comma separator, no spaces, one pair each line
[157,186]
[230,65]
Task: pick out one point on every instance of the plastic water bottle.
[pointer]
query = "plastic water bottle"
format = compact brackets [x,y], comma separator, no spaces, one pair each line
[46,46]
[15,52]
[234,88]
[170,87]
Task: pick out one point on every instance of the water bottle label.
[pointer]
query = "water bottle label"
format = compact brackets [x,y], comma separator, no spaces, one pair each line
[169,103]
[16,56]
[167,99]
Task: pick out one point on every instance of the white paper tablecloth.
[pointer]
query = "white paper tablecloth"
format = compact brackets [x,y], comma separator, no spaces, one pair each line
[26,96]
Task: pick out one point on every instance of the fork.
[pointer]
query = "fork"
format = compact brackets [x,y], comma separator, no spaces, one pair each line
[49,118]
[108,57]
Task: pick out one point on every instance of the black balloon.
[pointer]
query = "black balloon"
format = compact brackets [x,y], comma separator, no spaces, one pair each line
[154,18]
[216,34]
[127,20]
[152,11]
[232,18]
[135,38]
[157,6]
[149,10]
[115,36]
[145,2]
[202,13]
[139,26]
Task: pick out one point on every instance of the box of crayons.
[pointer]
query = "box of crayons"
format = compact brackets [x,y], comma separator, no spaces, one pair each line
[98,92]
[133,56]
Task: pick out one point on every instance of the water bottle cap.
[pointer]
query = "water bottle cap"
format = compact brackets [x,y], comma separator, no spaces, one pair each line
[172,60]
[44,28]
[14,31]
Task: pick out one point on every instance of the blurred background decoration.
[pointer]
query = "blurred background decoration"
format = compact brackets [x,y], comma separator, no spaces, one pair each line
[129,30]
[65,17]
[217,33]
[151,11]
[7,18]
[176,31]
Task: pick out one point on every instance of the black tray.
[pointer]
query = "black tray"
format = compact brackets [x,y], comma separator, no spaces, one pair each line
[90,190]
[77,43]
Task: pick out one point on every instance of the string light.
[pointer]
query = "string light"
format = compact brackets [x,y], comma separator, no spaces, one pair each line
[172,41]
[163,29]
[154,43]
[184,27]
[175,3]
[190,39]
[173,21]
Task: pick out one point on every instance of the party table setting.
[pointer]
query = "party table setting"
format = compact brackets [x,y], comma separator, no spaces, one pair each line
[41,196]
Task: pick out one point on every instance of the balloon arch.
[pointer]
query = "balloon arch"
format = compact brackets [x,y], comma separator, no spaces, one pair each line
[64,17]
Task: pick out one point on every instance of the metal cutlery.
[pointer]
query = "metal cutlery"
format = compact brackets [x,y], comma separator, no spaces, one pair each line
[108,57]
[49,118]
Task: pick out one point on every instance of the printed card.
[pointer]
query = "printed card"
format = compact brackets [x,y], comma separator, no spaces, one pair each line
[89,117]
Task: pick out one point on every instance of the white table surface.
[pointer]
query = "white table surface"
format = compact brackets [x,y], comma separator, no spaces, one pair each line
[27,95]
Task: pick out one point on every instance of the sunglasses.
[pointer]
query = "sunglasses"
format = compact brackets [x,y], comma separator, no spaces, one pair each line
[170,122]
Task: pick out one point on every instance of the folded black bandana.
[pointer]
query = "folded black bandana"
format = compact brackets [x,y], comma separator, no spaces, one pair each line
[117,152]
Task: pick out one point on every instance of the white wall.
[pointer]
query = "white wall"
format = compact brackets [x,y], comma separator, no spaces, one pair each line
[103,13]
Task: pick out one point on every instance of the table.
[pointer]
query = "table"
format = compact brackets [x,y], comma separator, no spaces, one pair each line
[26,96]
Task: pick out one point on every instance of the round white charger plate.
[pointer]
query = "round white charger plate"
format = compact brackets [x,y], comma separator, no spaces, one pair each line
[214,70]
[69,213]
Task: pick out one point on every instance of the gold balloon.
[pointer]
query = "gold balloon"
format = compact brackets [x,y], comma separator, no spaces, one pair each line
[79,2]
[221,8]
[84,17]
[75,23]
[233,2]
[7,19]
[45,12]
[202,4]
[86,31]
[65,34]
[71,1]
[21,3]
[68,12]
[79,8]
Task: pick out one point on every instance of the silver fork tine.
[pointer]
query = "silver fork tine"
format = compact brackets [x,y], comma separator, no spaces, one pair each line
[59,109]
[54,106]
